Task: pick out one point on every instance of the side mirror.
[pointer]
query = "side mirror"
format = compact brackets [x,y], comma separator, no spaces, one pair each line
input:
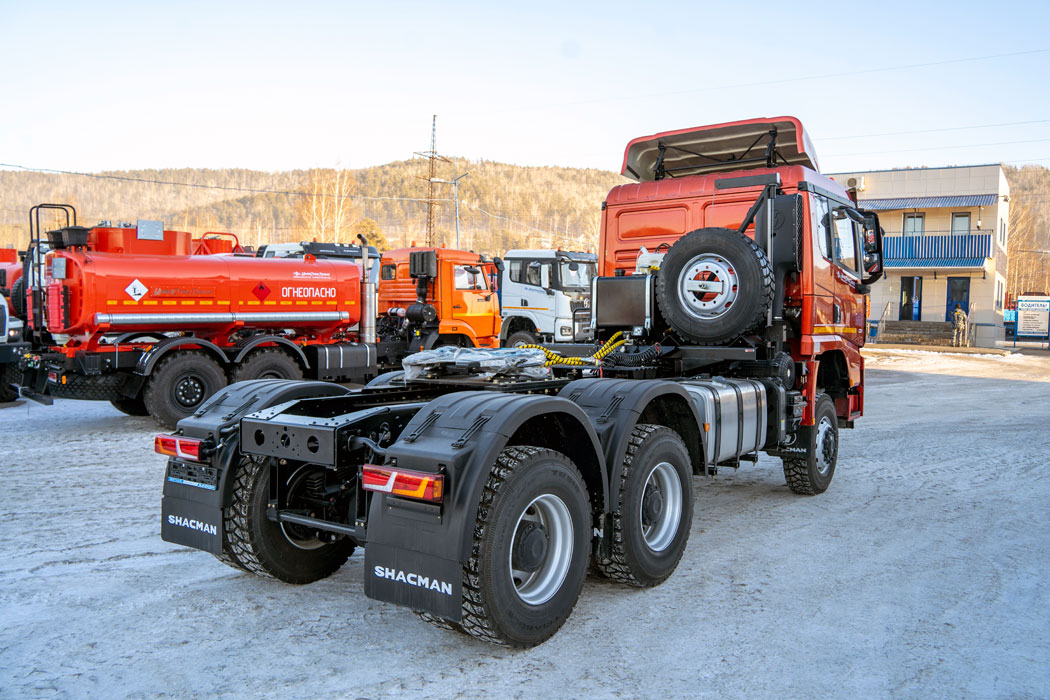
[545,277]
[472,270]
[871,248]
[574,266]
[533,265]
[498,262]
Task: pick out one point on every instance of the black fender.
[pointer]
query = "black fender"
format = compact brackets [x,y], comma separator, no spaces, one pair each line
[218,421]
[149,359]
[258,340]
[460,435]
[616,406]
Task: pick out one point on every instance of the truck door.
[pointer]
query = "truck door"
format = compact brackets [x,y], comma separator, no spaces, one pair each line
[472,300]
[838,308]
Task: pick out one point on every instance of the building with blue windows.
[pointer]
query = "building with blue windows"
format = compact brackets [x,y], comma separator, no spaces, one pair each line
[945,244]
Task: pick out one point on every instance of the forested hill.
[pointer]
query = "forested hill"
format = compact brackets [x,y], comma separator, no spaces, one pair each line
[501,206]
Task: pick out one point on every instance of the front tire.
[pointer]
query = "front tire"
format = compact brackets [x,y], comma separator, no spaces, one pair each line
[180,384]
[254,543]
[530,551]
[811,474]
[518,338]
[10,377]
[654,508]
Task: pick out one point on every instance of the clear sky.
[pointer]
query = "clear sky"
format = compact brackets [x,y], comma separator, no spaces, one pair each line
[100,85]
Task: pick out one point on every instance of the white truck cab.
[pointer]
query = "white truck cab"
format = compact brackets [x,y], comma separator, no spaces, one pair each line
[545,296]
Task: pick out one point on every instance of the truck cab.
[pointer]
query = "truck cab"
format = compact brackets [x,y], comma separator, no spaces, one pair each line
[456,284]
[546,296]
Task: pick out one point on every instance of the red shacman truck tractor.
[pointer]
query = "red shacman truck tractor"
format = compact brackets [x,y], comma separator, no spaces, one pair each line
[155,321]
[483,483]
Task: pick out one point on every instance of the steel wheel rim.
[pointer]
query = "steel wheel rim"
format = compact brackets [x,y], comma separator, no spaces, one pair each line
[824,449]
[189,391]
[539,586]
[708,286]
[660,531]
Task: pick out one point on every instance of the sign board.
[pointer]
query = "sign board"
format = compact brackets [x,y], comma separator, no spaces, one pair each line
[1033,317]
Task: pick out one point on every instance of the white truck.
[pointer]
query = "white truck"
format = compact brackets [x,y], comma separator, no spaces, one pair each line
[545,296]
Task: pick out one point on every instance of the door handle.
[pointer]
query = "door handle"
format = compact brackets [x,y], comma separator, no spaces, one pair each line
[457,306]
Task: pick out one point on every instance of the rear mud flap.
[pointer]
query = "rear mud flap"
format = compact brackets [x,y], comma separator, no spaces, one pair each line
[415,580]
[191,510]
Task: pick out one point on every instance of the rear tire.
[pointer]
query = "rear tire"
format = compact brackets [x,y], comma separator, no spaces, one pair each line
[180,384]
[267,363]
[135,406]
[811,474]
[261,546]
[737,284]
[654,508]
[531,547]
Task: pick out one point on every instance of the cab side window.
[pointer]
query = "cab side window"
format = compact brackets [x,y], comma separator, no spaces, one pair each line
[514,270]
[469,280]
[388,272]
[844,241]
[532,275]
[821,224]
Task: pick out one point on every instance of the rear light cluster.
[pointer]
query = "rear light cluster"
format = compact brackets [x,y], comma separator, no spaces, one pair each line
[177,446]
[421,486]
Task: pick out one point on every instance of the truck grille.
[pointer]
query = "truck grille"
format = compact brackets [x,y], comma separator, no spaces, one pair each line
[574,305]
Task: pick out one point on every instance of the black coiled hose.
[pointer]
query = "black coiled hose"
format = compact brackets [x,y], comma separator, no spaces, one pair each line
[634,359]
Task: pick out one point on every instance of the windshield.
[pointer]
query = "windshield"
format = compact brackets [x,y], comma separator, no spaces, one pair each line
[580,278]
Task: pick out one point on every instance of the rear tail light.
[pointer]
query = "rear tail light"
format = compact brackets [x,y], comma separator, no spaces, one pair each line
[421,486]
[181,447]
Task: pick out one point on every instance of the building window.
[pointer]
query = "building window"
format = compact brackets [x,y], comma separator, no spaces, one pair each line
[998,295]
[914,224]
[1002,232]
[961,224]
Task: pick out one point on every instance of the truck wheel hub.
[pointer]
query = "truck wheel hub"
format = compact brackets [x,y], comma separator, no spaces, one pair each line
[189,391]
[652,505]
[530,547]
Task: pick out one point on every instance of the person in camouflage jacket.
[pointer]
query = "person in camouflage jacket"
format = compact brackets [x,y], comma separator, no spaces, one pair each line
[958,327]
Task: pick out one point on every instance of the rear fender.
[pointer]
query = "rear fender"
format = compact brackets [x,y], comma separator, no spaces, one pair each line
[461,435]
[149,359]
[284,343]
[615,406]
[201,498]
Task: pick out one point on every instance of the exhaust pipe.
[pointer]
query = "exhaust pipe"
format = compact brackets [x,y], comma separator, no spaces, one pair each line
[368,297]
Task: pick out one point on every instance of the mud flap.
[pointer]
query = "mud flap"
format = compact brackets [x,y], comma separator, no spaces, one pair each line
[191,508]
[414,579]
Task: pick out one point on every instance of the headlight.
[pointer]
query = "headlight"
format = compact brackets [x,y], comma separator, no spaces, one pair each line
[565,330]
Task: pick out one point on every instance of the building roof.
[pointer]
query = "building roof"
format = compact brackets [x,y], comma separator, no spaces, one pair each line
[966,200]
[977,263]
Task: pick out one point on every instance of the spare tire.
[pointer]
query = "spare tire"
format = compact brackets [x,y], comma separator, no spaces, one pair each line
[18,297]
[714,286]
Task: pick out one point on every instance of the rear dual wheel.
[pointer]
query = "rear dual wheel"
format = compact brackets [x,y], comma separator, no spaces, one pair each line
[283,551]
[531,545]
[653,509]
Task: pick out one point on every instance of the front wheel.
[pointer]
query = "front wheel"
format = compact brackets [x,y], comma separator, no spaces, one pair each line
[810,473]
[530,551]
[654,508]
[10,378]
[519,338]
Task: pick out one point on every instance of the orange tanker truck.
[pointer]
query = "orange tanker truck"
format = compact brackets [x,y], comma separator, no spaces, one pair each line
[132,316]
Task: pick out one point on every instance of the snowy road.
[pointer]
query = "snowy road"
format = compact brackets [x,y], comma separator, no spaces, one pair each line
[921,573]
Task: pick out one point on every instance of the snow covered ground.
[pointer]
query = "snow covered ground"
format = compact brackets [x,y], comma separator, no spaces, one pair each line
[921,573]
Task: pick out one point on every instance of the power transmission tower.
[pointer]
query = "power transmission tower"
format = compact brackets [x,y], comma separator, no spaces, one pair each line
[433,156]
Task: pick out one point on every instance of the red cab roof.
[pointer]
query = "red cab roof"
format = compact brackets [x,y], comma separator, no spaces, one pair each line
[718,148]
